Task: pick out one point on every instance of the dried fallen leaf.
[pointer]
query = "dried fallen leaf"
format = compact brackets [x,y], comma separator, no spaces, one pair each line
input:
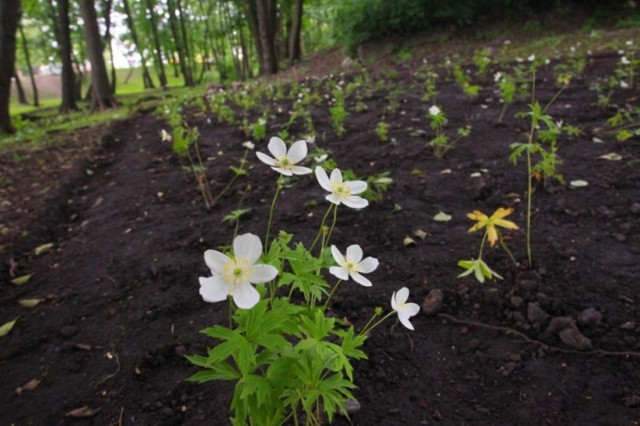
[83,412]
[6,327]
[43,248]
[23,279]
[420,234]
[612,156]
[31,385]
[442,217]
[578,183]
[408,241]
[29,303]
[445,172]
[597,140]
[83,346]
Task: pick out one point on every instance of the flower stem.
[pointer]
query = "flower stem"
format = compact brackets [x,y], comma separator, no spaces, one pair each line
[273,205]
[529,206]
[333,224]
[506,249]
[368,328]
[324,219]
[333,290]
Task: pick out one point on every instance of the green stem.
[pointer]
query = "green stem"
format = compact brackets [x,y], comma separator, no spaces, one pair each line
[506,249]
[324,219]
[333,224]
[366,330]
[244,193]
[484,239]
[504,110]
[333,290]
[273,205]
[553,99]
[529,206]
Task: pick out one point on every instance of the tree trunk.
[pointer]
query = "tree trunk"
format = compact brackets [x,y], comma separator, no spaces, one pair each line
[295,50]
[266,13]
[181,49]
[107,6]
[10,12]
[252,19]
[101,95]
[156,42]
[187,46]
[22,98]
[146,77]
[69,89]
[27,57]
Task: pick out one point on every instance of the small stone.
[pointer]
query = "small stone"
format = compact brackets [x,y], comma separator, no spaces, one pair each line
[433,302]
[69,330]
[535,314]
[473,344]
[574,339]
[181,350]
[518,317]
[516,301]
[629,325]
[619,237]
[632,400]
[590,316]
[635,208]
[558,324]
[352,407]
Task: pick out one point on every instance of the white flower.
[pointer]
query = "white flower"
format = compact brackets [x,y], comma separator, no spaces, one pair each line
[531,58]
[629,42]
[624,61]
[497,76]
[166,137]
[285,161]
[434,110]
[352,265]
[234,276]
[624,84]
[405,310]
[248,145]
[322,158]
[342,192]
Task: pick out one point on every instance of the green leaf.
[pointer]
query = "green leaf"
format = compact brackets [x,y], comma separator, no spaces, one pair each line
[7,327]
[21,279]
[235,215]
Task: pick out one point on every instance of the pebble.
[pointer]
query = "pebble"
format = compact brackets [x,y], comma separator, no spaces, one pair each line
[516,301]
[433,302]
[619,237]
[590,316]
[535,314]
[558,324]
[69,330]
[574,339]
[635,208]
[352,407]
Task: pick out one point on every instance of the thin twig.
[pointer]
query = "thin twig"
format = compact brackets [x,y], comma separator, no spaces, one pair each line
[511,331]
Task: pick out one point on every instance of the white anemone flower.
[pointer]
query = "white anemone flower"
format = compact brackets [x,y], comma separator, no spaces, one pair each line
[404,310]
[352,265]
[234,276]
[624,61]
[166,136]
[434,110]
[342,192]
[249,145]
[284,161]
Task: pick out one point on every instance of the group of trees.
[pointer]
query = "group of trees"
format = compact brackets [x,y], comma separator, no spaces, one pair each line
[236,39]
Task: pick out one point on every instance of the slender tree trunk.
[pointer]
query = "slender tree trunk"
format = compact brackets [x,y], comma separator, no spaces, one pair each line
[101,95]
[22,98]
[69,89]
[10,12]
[266,13]
[146,77]
[251,14]
[295,50]
[107,6]
[156,42]
[186,42]
[181,49]
[233,42]
[78,78]
[27,57]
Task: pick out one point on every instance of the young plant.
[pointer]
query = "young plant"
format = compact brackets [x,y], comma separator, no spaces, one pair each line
[338,113]
[441,144]
[478,267]
[463,80]
[382,130]
[290,359]
[482,60]
[507,89]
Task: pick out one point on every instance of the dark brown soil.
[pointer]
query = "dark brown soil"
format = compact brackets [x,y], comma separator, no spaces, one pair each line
[128,226]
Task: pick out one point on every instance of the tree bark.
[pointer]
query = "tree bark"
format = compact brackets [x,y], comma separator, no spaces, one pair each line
[22,98]
[101,95]
[266,13]
[295,50]
[146,77]
[252,19]
[181,49]
[10,12]
[69,90]
[27,57]
[156,42]
[107,6]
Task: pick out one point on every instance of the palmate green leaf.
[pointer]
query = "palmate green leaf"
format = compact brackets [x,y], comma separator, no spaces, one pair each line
[235,215]
[334,390]
[318,327]
[257,387]
[222,371]
[219,332]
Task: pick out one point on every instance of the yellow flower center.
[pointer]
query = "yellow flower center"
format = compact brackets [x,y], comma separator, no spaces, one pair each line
[236,271]
[284,163]
[341,189]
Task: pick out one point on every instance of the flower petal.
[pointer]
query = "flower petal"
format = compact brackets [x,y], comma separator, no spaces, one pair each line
[337,256]
[277,148]
[355,202]
[360,279]
[261,274]
[339,272]
[215,260]
[283,171]
[411,308]
[478,215]
[265,159]
[323,179]
[402,295]
[248,247]
[501,212]
[368,265]
[298,151]
[334,198]
[214,289]
[506,224]
[245,296]
[336,175]
[404,320]
[356,186]
[299,170]
[492,235]
[354,253]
